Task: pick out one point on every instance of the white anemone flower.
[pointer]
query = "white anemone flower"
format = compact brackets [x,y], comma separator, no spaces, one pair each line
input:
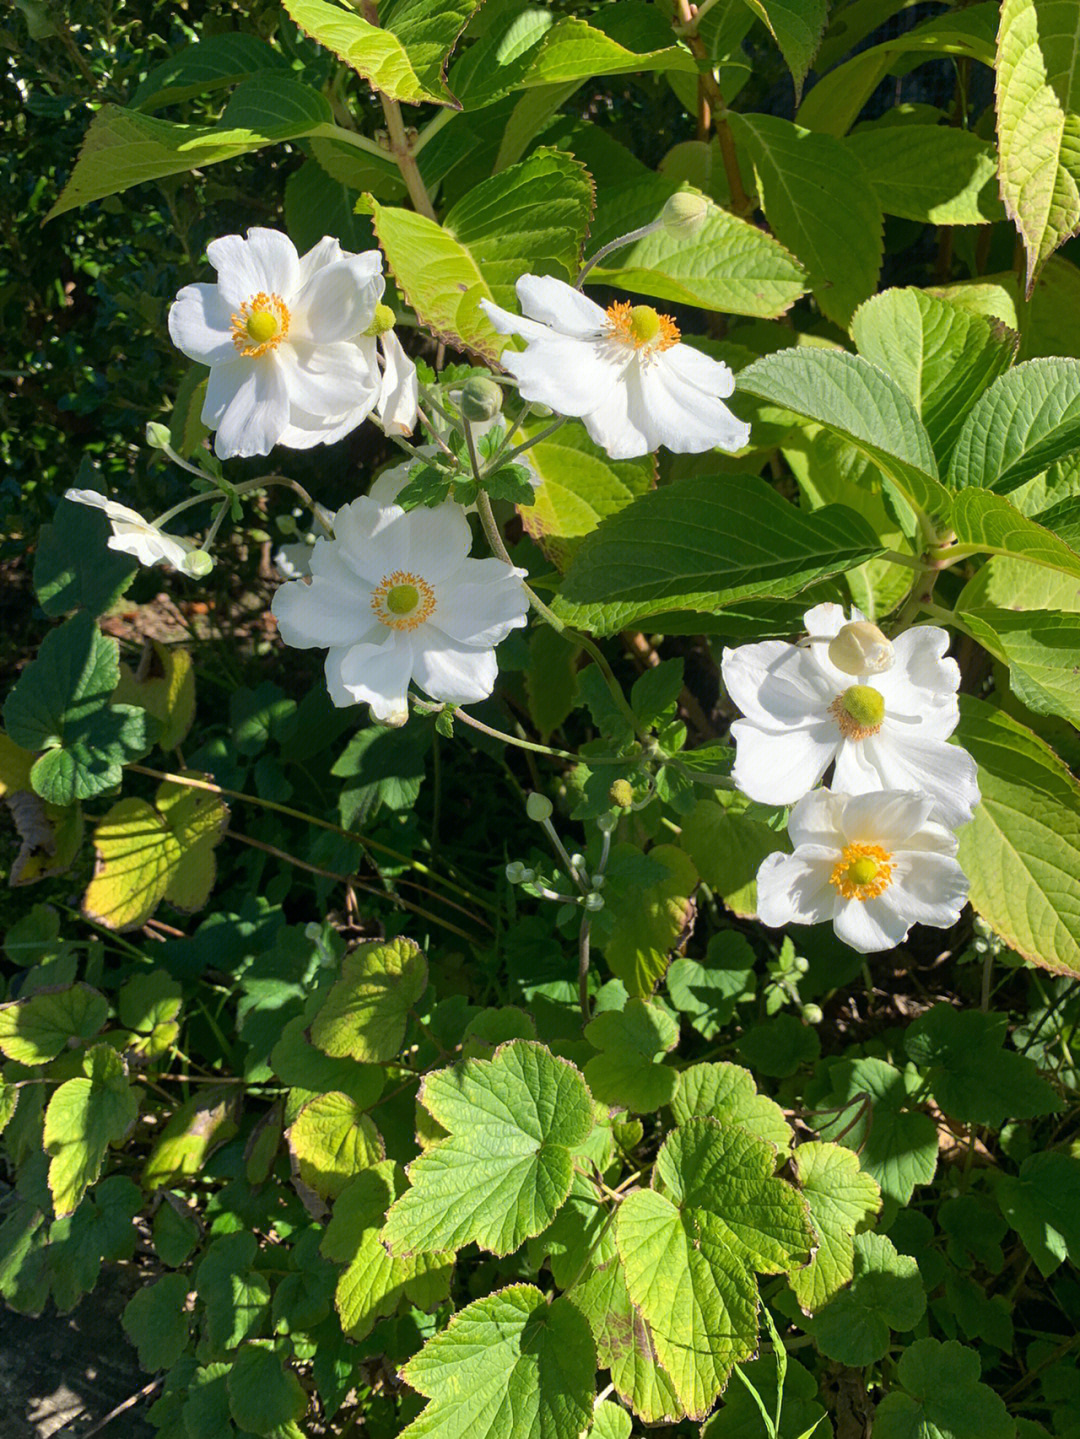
[886,728]
[873,864]
[133,535]
[621,371]
[393,597]
[282,337]
[398,401]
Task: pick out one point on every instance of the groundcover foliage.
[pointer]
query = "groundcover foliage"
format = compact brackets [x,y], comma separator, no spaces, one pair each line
[531,1051]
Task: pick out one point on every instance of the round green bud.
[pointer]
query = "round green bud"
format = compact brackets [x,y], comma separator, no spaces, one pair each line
[481,399]
[800,964]
[515,871]
[197,564]
[593,902]
[813,1013]
[860,648]
[382,321]
[606,823]
[157,435]
[538,807]
[621,793]
[865,705]
[684,212]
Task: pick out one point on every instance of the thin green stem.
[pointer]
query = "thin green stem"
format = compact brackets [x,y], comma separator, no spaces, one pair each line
[432,128]
[429,707]
[360,142]
[504,459]
[616,244]
[404,156]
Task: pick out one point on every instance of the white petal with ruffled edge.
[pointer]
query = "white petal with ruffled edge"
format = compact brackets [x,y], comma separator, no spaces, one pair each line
[454,673]
[252,405]
[265,262]
[200,324]
[795,889]
[779,768]
[373,674]
[944,771]
[399,392]
[870,925]
[133,535]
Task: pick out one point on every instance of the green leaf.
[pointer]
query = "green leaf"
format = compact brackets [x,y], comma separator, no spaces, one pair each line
[100,1229]
[1038,97]
[1021,852]
[780,1045]
[642,937]
[989,524]
[941,356]
[624,1344]
[629,1072]
[727,1092]
[84,1117]
[262,1392]
[305,1068]
[1042,1204]
[508,1366]
[1028,419]
[157,1323]
[530,217]
[176,1233]
[707,990]
[691,1247]
[193,1132]
[504,1170]
[579,1239]
[610,1421]
[211,64]
[365,1013]
[383,767]
[941,1397]
[727,846]
[725,539]
[886,1293]
[818,203]
[124,148]
[842,1199]
[797,27]
[332,1140]
[73,566]
[1040,648]
[236,1297]
[36,1030]
[551,681]
[853,399]
[60,704]
[579,487]
[896,1146]
[205,1411]
[164,686]
[631,38]
[933,174]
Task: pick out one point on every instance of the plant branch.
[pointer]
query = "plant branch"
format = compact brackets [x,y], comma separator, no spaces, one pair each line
[405,158]
[687,30]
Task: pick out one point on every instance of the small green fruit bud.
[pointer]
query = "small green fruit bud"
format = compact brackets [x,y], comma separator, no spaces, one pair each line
[606,823]
[622,793]
[812,1013]
[800,964]
[481,399]
[157,436]
[861,649]
[382,321]
[593,902]
[684,213]
[865,705]
[197,564]
[515,871]
[538,807]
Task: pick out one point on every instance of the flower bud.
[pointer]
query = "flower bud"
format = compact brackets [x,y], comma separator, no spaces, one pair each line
[622,793]
[515,871]
[157,435]
[538,807]
[197,564]
[861,649]
[684,214]
[812,1013]
[382,320]
[593,902]
[481,399]
[800,964]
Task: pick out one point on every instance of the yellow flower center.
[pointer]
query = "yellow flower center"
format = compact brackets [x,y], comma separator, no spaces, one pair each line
[402,600]
[382,320]
[863,871]
[641,327]
[859,711]
[260,324]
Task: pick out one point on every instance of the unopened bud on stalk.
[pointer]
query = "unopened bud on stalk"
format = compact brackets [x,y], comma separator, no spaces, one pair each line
[622,793]
[812,1013]
[197,564]
[593,902]
[684,213]
[382,321]
[515,871]
[538,807]
[157,435]
[481,399]
[861,649]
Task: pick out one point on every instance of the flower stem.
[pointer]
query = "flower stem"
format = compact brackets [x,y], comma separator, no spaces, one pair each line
[432,128]
[616,244]
[405,159]
[430,708]
[687,30]
[504,459]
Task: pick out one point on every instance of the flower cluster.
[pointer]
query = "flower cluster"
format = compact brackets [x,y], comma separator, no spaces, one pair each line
[874,853]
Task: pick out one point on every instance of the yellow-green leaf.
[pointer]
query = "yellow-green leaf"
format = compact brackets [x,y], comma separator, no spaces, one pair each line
[84,1117]
[644,935]
[332,1140]
[163,685]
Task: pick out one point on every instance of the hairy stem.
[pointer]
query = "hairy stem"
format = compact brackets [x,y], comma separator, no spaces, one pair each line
[405,158]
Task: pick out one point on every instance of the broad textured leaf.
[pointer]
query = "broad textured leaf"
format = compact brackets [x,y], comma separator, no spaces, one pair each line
[1040,647]
[101,1230]
[973,1078]
[212,63]
[842,1199]
[941,356]
[305,1068]
[84,1117]
[61,704]
[727,1092]
[643,936]
[941,1397]
[263,1394]
[991,525]
[885,1294]
[1042,1203]
[504,1170]
[1021,852]
[725,538]
[727,846]
[707,989]
[1038,97]
[406,57]
[508,1366]
[374,1281]
[332,1140]
[797,27]
[124,147]
[692,1246]
[1028,419]
[235,1295]
[157,1322]
[934,174]
[631,38]
[897,1146]
[624,1344]
[364,1015]
[818,203]
[164,686]
[73,566]
[37,1029]
[531,217]
[855,400]
[191,1134]
[629,1072]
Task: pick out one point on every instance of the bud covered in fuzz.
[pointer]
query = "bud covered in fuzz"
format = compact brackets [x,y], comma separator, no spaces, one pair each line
[593,902]
[860,648]
[538,807]
[684,213]
[622,793]
[197,564]
[157,435]
[481,399]
[395,719]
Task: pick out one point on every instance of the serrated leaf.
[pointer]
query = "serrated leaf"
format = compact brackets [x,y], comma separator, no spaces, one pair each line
[1042,1203]
[708,989]
[191,1134]
[73,566]
[610,1421]
[989,524]
[504,1170]
[84,1117]
[1038,97]
[508,1366]
[263,1394]
[642,938]
[631,38]
[629,1072]
[842,1199]
[551,678]
[198,69]
[797,27]
[973,1078]
[815,195]
[235,1295]
[365,1012]
[332,1140]
[1040,648]
[374,1281]
[728,846]
[305,1068]
[726,539]
[896,1146]
[580,1238]
[941,1397]
[61,705]
[1021,852]
[740,1417]
[1026,420]
[100,1230]
[157,1323]
[727,1092]
[383,767]
[124,148]
[885,1294]
[531,217]
[941,356]
[933,174]
[691,1252]
[36,1030]
[624,1344]
[164,686]
[176,1233]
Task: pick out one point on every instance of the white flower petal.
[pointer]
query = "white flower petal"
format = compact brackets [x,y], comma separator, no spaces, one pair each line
[438,541]
[326,612]
[781,768]
[399,394]
[510,324]
[573,378]
[555,303]
[480,603]
[693,367]
[305,430]
[795,889]
[253,417]
[200,324]
[817,820]
[373,674]
[452,672]
[338,301]
[886,818]
[112,508]
[681,417]
[324,253]
[827,619]
[327,380]
[940,769]
[776,684]
[869,925]
[266,262]
[927,888]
